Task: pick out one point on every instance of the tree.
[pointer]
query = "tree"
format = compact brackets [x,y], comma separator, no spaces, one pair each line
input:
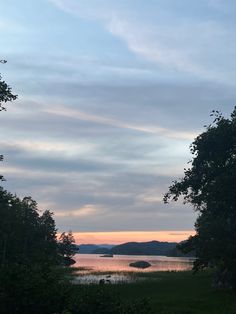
[5,92]
[48,233]
[5,96]
[31,281]
[25,236]
[67,248]
[210,186]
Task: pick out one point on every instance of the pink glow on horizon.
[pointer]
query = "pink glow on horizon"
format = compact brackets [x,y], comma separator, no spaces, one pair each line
[118,237]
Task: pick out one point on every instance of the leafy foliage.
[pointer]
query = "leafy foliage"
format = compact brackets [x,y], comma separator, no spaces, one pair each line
[5,96]
[28,257]
[210,185]
[25,236]
[5,92]
[66,242]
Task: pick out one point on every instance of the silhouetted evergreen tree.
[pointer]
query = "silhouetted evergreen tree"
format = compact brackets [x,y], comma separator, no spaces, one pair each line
[25,236]
[29,258]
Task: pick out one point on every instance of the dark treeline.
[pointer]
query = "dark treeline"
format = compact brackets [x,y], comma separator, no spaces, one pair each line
[29,255]
[25,235]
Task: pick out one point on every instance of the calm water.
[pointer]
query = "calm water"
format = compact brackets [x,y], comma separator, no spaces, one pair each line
[92,264]
[119,263]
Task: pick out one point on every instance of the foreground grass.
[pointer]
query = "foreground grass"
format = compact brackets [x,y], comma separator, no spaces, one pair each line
[175,293]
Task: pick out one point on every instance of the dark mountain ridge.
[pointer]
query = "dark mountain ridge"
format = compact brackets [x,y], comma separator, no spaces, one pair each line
[143,248]
[135,248]
[90,248]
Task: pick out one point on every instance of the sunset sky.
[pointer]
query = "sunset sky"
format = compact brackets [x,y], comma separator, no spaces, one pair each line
[111,94]
[116,237]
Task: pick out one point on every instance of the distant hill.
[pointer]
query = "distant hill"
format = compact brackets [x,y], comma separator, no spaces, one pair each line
[91,248]
[134,248]
[143,248]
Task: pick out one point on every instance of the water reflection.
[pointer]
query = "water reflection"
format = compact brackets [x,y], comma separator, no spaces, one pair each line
[119,263]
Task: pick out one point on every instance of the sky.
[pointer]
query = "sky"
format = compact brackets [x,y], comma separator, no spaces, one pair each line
[111,95]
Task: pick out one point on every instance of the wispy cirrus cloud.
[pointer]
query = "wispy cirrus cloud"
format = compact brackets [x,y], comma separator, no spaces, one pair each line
[76,114]
[177,42]
[111,93]
[86,210]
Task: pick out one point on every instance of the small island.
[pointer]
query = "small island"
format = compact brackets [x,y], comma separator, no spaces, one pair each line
[140,264]
[107,255]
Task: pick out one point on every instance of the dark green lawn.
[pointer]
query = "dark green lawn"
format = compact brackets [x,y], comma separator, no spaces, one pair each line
[176,293]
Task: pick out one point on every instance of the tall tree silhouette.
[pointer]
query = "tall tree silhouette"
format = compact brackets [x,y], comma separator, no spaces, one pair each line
[210,186]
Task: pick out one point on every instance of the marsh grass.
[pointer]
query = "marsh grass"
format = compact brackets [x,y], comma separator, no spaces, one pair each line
[174,293]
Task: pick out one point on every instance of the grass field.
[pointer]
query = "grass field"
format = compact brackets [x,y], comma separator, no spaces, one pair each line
[175,293]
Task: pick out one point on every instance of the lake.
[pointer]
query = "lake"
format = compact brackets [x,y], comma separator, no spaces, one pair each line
[94,263]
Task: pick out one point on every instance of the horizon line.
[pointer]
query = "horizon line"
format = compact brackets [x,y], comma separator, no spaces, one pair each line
[118,237]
